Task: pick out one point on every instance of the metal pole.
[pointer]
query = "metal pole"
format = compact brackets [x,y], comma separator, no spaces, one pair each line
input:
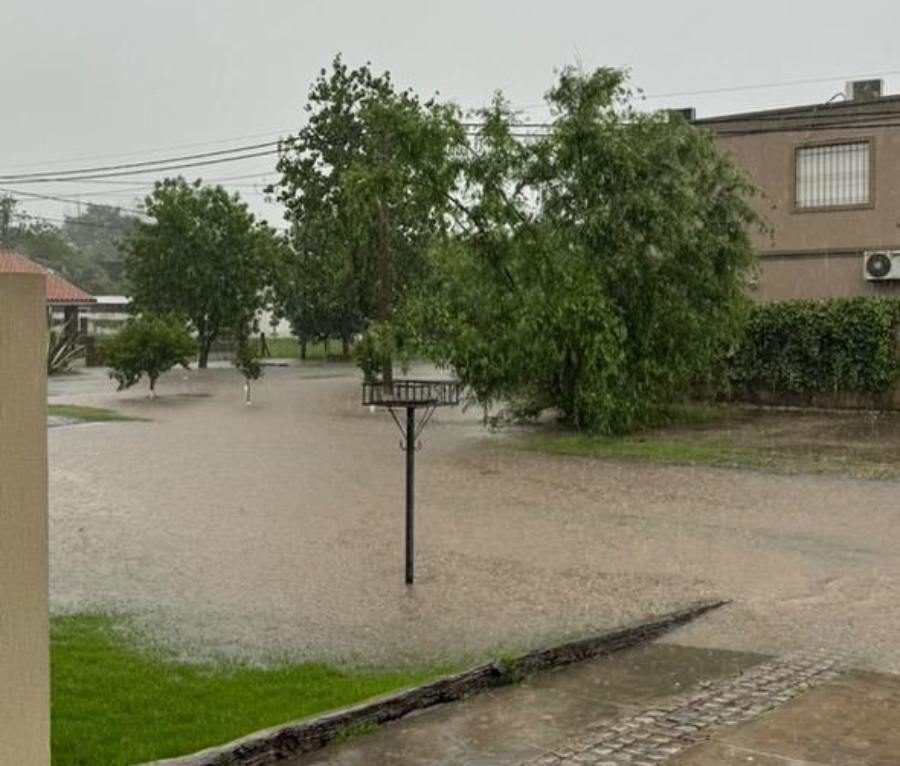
[410,491]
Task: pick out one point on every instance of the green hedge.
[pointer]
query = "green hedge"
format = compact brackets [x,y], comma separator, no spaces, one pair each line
[806,347]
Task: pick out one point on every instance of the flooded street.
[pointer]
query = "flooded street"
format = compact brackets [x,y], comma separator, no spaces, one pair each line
[276,531]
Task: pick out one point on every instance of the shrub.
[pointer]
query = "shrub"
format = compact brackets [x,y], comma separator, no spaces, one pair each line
[373,352]
[246,361]
[63,348]
[148,345]
[807,347]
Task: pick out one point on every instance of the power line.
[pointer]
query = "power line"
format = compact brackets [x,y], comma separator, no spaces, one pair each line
[776,123]
[284,131]
[53,197]
[172,163]
[138,191]
[135,189]
[740,88]
[70,221]
[94,224]
[155,151]
[139,168]
[530,130]
[476,125]
[147,163]
[763,86]
[135,171]
[145,184]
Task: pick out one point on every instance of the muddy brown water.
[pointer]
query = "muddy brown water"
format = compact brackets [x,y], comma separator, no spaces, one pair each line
[275,532]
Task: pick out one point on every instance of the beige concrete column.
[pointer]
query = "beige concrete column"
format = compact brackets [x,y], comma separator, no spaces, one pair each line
[24,652]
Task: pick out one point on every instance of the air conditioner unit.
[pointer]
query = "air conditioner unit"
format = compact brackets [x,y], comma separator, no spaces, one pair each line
[864,90]
[881,265]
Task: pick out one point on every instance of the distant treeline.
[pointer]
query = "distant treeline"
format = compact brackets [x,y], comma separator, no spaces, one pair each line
[83,248]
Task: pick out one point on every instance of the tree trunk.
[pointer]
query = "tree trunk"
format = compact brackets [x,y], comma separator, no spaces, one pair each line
[326,347]
[302,348]
[345,343]
[203,357]
[385,288]
[247,390]
[152,386]
[70,323]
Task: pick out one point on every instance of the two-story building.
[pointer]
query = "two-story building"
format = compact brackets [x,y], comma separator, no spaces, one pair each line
[828,181]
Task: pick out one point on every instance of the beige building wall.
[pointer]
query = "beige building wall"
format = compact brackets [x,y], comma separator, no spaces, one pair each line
[816,254]
[24,654]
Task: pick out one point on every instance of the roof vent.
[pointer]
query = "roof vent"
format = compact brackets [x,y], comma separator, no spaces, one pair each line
[864,90]
[689,114]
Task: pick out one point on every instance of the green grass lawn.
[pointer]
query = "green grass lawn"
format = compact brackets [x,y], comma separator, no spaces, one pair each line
[289,348]
[114,703]
[92,414]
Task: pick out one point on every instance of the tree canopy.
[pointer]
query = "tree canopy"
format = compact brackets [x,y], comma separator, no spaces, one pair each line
[203,257]
[366,185]
[597,270]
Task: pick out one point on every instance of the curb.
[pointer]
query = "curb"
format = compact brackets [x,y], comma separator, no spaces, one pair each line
[309,734]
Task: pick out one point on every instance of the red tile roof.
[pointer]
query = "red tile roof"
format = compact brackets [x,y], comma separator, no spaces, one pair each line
[59,290]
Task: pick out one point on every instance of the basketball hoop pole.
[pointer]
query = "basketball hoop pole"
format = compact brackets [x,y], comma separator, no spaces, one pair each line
[410,494]
[410,394]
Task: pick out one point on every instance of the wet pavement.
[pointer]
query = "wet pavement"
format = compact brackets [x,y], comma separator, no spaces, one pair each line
[669,727]
[515,724]
[660,705]
[57,421]
[852,721]
[275,532]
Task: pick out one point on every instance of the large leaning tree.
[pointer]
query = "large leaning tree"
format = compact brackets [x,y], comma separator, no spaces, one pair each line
[598,269]
[203,257]
[366,183]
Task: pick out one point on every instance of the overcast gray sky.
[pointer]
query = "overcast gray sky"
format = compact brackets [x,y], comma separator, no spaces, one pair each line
[81,81]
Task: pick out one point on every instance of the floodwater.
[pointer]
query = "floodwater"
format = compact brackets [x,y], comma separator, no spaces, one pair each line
[276,531]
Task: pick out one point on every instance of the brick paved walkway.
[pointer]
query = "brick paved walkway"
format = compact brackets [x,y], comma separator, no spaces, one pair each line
[656,734]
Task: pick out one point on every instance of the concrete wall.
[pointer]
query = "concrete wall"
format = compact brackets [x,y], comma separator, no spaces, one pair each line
[818,253]
[24,659]
[817,275]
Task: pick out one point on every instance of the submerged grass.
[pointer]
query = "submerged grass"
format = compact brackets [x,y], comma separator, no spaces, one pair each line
[115,703]
[289,348]
[716,435]
[689,453]
[86,414]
